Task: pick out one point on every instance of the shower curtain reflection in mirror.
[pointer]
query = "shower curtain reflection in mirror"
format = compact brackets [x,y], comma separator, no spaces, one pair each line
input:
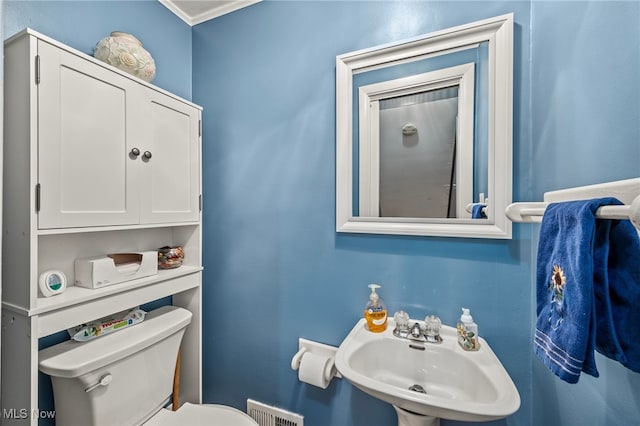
[418,154]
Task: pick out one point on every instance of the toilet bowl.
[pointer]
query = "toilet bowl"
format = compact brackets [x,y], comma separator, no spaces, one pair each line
[201,415]
[126,378]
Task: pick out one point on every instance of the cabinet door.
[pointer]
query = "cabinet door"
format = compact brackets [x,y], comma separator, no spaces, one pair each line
[171,176]
[85,169]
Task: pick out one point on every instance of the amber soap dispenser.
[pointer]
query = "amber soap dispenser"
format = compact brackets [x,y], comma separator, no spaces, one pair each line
[376,311]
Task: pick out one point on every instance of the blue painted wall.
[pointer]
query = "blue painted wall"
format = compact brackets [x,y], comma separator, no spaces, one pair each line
[275,269]
[585,130]
[82,23]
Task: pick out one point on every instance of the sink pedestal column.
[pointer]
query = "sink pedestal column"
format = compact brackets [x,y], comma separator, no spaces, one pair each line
[407,418]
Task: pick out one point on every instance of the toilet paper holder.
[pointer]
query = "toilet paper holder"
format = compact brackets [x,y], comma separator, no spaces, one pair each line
[321,349]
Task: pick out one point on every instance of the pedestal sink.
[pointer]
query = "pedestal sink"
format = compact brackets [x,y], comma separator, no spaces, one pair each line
[426,381]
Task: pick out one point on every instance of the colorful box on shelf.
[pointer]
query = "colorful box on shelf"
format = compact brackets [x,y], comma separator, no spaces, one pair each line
[97,272]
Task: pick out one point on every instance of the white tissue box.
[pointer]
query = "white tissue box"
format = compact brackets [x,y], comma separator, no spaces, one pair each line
[97,272]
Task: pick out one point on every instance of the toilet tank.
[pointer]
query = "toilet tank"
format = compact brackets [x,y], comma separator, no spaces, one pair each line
[140,361]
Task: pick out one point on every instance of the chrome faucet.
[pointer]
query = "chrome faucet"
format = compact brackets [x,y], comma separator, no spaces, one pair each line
[416,332]
[428,332]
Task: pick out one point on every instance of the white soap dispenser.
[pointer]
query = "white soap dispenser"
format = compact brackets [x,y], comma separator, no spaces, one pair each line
[376,311]
[468,332]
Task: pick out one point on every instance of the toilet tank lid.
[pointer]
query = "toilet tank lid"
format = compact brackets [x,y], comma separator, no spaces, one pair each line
[72,359]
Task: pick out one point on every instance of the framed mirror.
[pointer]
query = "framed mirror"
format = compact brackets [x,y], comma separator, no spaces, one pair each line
[424,134]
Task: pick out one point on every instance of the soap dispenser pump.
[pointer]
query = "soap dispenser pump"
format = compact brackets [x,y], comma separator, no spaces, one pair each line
[468,332]
[376,311]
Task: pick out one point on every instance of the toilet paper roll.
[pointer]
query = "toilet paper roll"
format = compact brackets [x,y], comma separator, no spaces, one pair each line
[312,369]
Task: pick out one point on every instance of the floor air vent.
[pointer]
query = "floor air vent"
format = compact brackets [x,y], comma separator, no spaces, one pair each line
[267,415]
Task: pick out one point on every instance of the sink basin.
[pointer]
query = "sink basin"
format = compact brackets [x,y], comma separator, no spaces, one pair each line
[459,385]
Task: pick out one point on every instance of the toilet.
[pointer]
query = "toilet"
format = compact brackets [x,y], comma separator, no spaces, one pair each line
[126,377]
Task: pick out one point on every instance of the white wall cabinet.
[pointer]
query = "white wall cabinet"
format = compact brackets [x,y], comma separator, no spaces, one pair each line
[111,151]
[77,183]
[170,179]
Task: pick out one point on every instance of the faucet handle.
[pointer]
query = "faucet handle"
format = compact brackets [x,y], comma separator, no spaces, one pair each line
[401,318]
[432,329]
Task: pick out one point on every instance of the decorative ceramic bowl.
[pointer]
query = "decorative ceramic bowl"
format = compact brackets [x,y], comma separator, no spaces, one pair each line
[170,257]
[125,52]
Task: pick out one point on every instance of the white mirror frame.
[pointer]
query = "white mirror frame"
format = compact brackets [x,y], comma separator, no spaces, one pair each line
[497,32]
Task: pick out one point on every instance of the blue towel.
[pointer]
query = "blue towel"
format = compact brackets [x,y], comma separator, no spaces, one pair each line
[617,292]
[477,212]
[588,280]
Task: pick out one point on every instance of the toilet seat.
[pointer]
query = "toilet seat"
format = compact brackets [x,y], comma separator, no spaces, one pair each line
[201,415]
